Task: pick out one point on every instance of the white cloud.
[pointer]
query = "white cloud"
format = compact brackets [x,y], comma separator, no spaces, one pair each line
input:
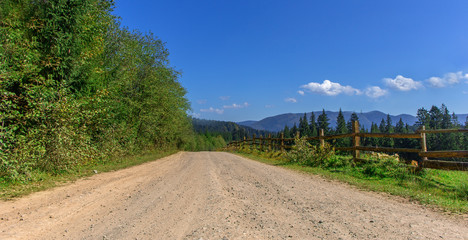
[269,106]
[211,109]
[403,84]
[301,92]
[201,101]
[225,98]
[330,88]
[448,79]
[196,115]
[290,100]
[436,82]
[375,92]
[236,106]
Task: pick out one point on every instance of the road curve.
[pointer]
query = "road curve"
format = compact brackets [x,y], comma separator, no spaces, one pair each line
[216,195]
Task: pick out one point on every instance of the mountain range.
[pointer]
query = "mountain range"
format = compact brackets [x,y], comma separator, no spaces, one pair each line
[277,123]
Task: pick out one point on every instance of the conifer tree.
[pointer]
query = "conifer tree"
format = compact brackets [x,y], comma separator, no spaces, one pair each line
[400,128]
[313,125]
[294,130]
[423,117]
[382,129]
[341,128]
[354,117]
[323,122]
[375,129]
[389,129]
[286,132]
[304,129]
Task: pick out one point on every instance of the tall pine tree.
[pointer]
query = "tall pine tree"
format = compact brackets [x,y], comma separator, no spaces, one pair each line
[313,125]
[354,117]
[323,122]
[341,129]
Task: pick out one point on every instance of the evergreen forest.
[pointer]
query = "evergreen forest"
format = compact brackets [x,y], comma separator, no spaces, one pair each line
[434,118]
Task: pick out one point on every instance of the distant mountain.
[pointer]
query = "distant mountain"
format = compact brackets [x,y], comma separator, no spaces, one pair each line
[277,123]
[228,130]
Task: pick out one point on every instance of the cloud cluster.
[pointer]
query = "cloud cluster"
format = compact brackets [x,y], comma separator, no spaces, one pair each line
[329,88]
[402,84]
[399,83]
[447,80]
[211,110]
[236,106]
[221,111]
[290,100]
[375,92]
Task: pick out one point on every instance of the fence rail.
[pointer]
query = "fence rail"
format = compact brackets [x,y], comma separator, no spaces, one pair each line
[282,144]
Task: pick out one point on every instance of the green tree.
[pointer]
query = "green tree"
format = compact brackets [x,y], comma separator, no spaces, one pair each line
[294,130]
[313,125]
[304,128]
[286,132]
[341,128]
[323,122]
[389,129]
[423,117]
[400,128]
[374,141]
[77,88]
[354,117]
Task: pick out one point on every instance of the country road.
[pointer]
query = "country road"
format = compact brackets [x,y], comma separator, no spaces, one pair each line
[216,195]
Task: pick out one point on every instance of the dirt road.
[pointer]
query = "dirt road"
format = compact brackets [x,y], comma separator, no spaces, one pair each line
[212,195]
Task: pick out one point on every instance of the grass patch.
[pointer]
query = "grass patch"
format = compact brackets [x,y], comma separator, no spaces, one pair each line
[39,181]
[440,189]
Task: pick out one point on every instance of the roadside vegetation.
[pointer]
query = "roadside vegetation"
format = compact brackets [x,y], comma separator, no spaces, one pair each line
[79,92]
[446,190]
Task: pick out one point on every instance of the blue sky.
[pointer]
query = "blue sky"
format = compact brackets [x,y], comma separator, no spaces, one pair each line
[251,59]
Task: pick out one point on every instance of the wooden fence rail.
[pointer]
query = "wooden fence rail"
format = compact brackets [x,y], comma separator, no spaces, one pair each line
[282,144]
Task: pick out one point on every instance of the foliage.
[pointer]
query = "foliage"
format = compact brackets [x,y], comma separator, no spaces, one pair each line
[323,122]
[77,88]
[230,131]
[204,142]
[314,155]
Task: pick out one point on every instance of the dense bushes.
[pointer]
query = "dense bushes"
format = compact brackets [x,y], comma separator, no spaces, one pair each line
[305,154]
[77,88]
[205,142]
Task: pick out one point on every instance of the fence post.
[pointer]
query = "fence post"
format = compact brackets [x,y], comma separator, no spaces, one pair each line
[243,143]
[261,142]
[356,139]
[322,141]
[269,142]
[253,142]
[423,146]
[282,141]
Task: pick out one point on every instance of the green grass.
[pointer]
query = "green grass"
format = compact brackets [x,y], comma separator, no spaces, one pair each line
[439,189]
[40,181]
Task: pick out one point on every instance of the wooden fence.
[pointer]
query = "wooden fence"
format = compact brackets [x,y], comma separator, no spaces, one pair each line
[286,143]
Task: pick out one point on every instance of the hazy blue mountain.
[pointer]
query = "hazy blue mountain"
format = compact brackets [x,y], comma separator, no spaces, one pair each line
[277,123]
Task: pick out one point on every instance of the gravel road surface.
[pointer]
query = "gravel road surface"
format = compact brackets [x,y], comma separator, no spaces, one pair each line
[216,195]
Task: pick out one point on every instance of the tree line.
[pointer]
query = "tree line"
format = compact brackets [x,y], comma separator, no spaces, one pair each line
[435,118]
[76,87]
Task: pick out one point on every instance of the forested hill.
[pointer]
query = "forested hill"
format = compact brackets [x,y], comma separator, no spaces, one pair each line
[76,88]
[277,123]
[228,130]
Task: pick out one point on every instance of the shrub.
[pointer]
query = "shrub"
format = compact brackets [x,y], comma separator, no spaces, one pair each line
[313,155]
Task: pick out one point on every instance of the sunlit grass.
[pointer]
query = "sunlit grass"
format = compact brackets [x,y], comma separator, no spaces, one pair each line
[441,189]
